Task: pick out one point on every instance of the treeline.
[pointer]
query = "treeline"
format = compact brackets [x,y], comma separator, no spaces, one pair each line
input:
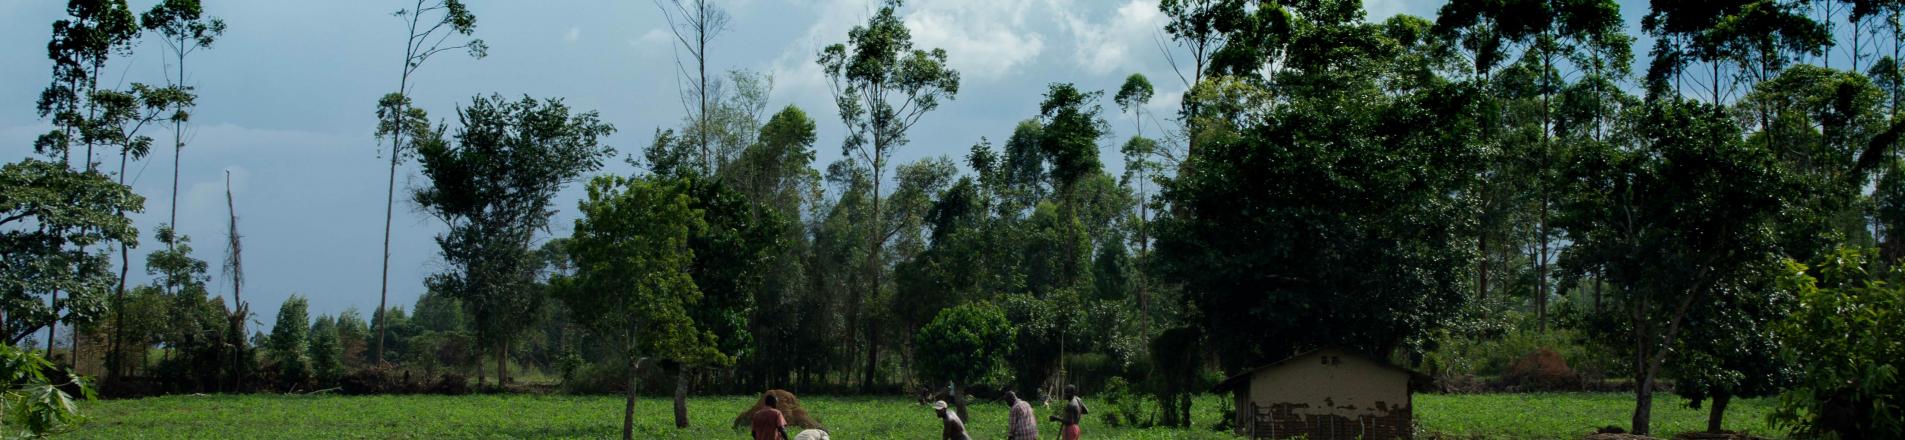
[1421,190]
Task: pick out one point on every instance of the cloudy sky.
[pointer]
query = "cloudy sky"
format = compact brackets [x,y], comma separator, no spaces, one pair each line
[286,104]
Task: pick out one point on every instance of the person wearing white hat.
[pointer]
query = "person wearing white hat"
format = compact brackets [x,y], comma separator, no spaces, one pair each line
[955,428]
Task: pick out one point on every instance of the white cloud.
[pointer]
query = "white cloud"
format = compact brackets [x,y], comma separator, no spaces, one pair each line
[1379,10]
[1121,42]
[574,35]
[654,38]
[984,39]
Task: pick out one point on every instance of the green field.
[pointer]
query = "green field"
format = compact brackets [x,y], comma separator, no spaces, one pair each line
[848,418]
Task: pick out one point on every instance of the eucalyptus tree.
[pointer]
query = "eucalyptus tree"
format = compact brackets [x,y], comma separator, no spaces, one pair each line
[122,115]
[1756,38]
[430,25]
[185,29]
[1553,32]
[882,87]
[81,45]
[493,190]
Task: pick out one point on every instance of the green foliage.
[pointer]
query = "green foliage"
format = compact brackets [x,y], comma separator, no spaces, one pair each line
[35,406]
[53,220]
[965,344]
[632,254]
[288,349]
[1070,135]
[494,189]
[1128,407]
[1340,200]
[1846,330]
[326,353]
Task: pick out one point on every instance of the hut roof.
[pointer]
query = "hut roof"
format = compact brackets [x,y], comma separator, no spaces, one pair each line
[1415,379]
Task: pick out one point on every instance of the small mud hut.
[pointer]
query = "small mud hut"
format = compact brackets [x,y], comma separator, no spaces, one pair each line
[789,406]
[1323,394]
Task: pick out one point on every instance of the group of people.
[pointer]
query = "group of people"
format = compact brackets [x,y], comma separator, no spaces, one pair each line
[1021,424]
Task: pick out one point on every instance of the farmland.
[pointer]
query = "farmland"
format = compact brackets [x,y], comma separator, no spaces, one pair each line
[533,416]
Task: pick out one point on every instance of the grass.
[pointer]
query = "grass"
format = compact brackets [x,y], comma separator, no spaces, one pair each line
[848,418]
[1574,415]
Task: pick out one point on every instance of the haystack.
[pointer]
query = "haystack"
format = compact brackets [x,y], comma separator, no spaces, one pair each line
[789,406]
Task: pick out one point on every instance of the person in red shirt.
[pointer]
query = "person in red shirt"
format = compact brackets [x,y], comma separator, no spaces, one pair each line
[768,423]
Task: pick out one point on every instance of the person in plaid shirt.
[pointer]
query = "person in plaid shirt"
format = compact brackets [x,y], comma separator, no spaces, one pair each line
[1022,426]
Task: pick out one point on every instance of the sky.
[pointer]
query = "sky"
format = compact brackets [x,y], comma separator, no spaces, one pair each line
[286,106]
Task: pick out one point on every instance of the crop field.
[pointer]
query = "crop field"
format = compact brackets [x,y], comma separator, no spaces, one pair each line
[848,418]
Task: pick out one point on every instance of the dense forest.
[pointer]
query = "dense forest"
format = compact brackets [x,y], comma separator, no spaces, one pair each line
[1449,193]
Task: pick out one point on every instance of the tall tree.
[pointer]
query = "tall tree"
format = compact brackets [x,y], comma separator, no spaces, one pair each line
[122,115]
[882,86]
[185,29]
[425,37]
[493,190]
[632,281]
[80,47]
[1553,33]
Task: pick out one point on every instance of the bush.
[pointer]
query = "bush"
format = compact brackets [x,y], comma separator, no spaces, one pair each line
[1845,332]
[1128,407]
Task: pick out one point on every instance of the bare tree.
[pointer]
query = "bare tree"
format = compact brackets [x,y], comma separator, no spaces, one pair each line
[235,268]
[695,23]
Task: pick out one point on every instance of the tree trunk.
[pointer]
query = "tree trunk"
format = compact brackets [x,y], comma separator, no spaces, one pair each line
[681,397]
[1717,414]
[628,407]
[1643,403]
[1481,287]
[502,362]
[873,355]
[54,324]
[383,292]
[959,404]
[479,369]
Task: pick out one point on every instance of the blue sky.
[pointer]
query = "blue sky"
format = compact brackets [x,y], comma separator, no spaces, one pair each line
[286,104]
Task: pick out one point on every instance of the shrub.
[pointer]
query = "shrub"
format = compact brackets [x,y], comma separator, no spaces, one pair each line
[1128,407]
[1845,332]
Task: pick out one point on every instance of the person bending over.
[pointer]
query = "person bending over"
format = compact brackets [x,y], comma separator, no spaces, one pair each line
[769,423]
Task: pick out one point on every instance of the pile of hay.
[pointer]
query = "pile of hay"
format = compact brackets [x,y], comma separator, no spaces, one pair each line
[1543,370]
[789,406]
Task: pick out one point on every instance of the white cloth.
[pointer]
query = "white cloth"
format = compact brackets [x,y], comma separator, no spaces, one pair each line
[812,434]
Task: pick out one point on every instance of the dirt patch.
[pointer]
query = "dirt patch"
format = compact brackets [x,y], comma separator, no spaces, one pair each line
[1617,437]
[1722,435]
[789,406]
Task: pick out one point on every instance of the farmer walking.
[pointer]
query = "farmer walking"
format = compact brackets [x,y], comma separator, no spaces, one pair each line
[1069,417]
[955,429]
[1022,425]
[769,423]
